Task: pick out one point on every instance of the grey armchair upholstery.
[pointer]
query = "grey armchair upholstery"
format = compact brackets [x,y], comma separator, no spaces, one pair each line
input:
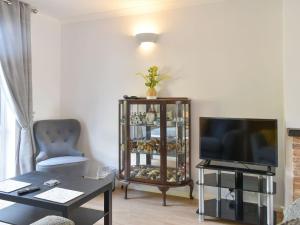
[56,147]
[53,220]
[292,213]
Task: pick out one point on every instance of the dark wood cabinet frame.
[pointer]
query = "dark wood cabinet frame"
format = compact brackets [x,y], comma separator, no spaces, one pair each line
[124,172]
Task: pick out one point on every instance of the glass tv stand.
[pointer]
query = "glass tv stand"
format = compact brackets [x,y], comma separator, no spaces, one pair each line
[237,181]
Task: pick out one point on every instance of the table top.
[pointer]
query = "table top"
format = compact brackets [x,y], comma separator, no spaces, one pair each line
[90,187]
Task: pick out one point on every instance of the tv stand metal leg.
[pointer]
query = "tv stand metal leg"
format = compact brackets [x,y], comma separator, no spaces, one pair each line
[201,194]
[218,208]
[270,210]
[259,196]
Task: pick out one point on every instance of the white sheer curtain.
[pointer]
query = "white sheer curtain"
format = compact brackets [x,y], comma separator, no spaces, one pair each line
[7,134]
[15,57]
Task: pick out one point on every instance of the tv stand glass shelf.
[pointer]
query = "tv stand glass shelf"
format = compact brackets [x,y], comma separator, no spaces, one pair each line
[238,181]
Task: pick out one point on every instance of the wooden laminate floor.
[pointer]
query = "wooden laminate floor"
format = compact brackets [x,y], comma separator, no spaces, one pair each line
[143,208]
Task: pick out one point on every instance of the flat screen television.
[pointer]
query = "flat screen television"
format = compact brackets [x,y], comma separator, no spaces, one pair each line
[250,141]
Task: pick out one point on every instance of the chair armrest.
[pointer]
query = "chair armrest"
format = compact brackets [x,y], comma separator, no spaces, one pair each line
[75,152]
[41,157]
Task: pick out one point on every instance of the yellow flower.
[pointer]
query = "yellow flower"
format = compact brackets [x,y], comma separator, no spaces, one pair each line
[154,68]
[153,78]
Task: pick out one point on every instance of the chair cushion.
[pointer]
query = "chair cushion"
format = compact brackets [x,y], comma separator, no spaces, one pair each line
[75,165]
[62,161]
[53,220]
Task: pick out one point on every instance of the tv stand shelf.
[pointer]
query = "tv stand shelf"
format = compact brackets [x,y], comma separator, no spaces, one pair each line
[250,213]
[250,183]
[238,180]
[207,164]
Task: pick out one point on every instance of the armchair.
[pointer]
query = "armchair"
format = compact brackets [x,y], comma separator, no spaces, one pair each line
[56,147]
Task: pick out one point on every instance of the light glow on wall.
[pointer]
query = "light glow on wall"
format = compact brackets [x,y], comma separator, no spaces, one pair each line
[147,46]
[145,27]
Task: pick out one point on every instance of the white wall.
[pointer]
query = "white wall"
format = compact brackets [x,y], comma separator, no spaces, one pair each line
[46,49]
[226,56]
[291,63]
[291,83]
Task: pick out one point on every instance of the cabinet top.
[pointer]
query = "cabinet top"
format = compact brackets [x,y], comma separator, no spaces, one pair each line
[153,101]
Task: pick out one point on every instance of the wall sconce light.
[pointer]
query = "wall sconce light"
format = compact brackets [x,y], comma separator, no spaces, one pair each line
[146,37]
[146,40]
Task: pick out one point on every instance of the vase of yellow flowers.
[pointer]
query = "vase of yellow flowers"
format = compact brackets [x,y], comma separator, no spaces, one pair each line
[151,93]
[152,79]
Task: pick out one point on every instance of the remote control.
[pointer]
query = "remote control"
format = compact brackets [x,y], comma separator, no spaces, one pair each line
[130,97]
[28,190]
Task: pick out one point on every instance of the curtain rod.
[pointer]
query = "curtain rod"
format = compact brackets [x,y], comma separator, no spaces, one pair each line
[9,2]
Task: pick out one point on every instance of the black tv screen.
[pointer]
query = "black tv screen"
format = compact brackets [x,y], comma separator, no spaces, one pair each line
[251,141]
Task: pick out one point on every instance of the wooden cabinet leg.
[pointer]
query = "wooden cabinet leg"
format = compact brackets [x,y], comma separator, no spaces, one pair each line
[191,184]
[164,190]
[164,202]
[126,189]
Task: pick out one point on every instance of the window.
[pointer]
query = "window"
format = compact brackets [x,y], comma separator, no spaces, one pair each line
[7,134]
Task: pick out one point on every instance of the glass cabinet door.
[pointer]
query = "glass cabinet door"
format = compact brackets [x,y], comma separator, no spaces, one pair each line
[122,138]
[144,142]
[177,132]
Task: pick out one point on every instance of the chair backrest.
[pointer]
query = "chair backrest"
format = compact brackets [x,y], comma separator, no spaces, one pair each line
[55,138]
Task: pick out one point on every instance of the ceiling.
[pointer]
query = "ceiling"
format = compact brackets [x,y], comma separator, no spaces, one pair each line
[72,10]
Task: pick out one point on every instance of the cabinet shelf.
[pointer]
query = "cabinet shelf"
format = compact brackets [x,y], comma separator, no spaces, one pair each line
[250,183]
[248,213]
[153,125]
[145,125]
[170,153]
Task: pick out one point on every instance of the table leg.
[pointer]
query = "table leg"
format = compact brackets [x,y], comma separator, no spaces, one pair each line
[66,213]
[108,207]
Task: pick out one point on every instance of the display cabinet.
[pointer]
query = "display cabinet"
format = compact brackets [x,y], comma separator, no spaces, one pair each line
[154,143]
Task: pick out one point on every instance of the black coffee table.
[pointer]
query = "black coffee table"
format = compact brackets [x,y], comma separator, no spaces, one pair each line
[29,209]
